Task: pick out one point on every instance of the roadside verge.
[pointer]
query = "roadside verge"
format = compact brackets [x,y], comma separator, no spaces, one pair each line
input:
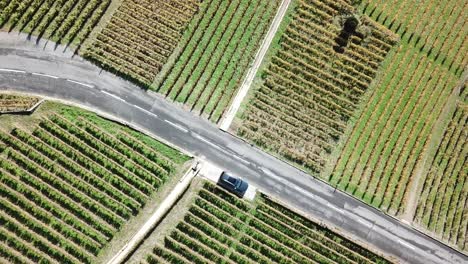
[156,217]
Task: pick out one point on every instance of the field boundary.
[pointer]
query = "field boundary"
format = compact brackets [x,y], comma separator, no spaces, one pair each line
[248,80]
[115,119]
[27,111]
[164,207]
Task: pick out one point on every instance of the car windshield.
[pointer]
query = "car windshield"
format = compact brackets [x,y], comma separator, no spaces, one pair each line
[239,182]
[232,180]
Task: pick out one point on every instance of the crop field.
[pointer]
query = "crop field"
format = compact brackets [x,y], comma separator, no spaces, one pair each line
[313,84]
[438,28]
[359,110]
[383,158]
[379,160]
[64,22]
[221,228]
[215,54]
[140,37]
[368,95]
[443,206]
[70,181]
[381,153]
[14,102]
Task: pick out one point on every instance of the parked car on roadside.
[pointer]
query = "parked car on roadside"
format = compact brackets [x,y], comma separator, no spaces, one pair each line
[233,184]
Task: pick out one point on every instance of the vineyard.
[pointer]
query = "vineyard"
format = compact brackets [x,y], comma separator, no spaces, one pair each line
[220,228]
[314,82]
[381,153]
[16,103]
[379,160]
[71,183]
[443,206]
[436,28]
[341,100]
[140,37]
[215,54]
[355,92]
[64,22]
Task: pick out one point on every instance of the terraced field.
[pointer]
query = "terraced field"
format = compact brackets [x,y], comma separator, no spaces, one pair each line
[385,156]
[140,37]
[64,22]
[68,185]
[313,84]
[215,54]
[220,228]
[354,92]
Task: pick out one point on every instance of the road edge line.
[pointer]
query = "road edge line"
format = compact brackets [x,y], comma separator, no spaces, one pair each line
[113,118]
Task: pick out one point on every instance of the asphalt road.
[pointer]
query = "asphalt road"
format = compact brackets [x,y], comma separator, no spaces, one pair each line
[33,69]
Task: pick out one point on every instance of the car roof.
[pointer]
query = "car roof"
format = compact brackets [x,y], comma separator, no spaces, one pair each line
[229,178]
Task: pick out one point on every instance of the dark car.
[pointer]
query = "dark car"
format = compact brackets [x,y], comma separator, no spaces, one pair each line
[233,184]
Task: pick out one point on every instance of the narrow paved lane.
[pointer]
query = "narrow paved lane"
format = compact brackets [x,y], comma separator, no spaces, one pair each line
[27,68]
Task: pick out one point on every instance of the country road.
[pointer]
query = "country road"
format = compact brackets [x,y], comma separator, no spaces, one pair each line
[28,68]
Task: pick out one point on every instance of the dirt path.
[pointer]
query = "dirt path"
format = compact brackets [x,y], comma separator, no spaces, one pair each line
[231,113]
[423,165]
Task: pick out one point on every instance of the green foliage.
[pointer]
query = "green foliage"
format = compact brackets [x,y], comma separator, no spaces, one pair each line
[143,143]
[441,204]
[216,52]
[140,37]
[16,103]
[307,94]
[69,186]
[67,22]
[220,227]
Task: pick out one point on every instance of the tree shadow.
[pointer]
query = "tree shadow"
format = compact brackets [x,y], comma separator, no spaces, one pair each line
[347,32]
